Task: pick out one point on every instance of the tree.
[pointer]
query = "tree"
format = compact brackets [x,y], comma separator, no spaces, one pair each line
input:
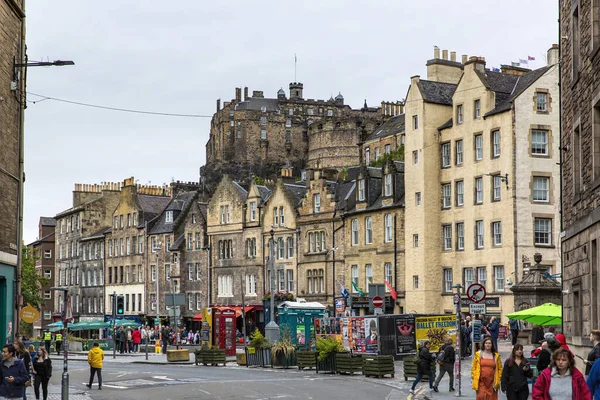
[31,283]
[395,155]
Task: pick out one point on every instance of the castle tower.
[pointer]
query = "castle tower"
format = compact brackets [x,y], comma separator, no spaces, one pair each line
[296,90]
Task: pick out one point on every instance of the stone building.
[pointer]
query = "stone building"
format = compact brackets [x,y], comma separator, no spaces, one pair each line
[373,249]
[168,243]
[481,160]
[257,135]
[92,210]
[386,138]
[12,48]
[126,272]
[91,306]
[580,119]
[43,250]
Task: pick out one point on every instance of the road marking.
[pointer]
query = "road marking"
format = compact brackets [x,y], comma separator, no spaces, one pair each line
[114,386]
[204,391]
[163,377]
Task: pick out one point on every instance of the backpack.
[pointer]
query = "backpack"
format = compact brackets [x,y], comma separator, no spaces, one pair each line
[441,357]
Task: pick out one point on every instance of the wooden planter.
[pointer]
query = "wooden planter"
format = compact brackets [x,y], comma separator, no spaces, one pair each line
[258,357]
[378,366]
[306,359]
[282,360]
[410,368]
[347,363]
[210,357]
[327,365]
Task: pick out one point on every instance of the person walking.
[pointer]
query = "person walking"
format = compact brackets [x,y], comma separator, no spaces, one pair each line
[136,337]
[562,380]
[493,330]
[47,340]
[123,334]
[129,341]
[537,335]
[42,371]
[424,366]
[545,356]
[95,357]
[13,373]
[164,339]
[594,353]
[447,364]
[513,325]
[58,339]
[23,354]
[486,371]
[515,373]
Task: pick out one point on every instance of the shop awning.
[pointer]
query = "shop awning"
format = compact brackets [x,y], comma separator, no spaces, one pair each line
[198,317]
[238,310]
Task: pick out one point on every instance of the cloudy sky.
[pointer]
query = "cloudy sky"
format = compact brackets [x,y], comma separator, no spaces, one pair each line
[179,57]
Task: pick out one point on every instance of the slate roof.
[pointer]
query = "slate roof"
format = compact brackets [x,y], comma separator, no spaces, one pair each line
[446,125]
[151,206]
[437,92]
[178,242]
[353,172]
[48,221]
[97,235]
[390,127]
[256,103]
[38,241]
[343,195]
[240,189]
[517,84]
[264,193]
[297,191]
[177,205]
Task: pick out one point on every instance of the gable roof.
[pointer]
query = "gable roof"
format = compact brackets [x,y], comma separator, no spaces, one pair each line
[177,205]
[151,206]
[257,103]
[297,191]
[437,92]
[391,127]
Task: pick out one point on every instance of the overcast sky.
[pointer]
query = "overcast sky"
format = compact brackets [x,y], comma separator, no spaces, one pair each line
[179,57]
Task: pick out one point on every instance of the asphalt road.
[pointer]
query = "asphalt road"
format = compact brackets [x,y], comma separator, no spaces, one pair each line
[144,382]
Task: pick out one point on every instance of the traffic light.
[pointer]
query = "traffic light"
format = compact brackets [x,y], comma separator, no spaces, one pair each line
[120,305]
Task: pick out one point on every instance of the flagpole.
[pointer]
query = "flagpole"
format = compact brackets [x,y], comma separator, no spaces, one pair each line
[295,63]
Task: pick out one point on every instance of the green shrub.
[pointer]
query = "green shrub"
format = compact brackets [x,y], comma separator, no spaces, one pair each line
[328,346]
[258,341]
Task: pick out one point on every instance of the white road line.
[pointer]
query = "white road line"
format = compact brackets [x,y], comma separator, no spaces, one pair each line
[204,391]
[163,377]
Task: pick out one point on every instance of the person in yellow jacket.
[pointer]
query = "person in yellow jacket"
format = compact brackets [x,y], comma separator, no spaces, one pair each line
[486,371]
[95,357]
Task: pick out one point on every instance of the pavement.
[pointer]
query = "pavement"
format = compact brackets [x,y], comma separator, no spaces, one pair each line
[398,385]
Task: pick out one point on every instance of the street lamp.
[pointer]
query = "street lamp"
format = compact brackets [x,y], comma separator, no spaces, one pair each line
[64,392]
[20,178]
[272,329]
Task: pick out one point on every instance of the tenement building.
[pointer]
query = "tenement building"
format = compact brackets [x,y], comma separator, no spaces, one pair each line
[258,134]
[43,250]
[482,194]
[580,96]
[12,92]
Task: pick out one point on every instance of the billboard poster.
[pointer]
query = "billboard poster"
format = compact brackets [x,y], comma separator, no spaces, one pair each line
[329,327]
[405,334]
[371,335]
[435,329]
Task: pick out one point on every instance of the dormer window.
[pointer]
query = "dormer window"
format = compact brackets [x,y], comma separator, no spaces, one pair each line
[361,190]
[169,217]
[317,203]
[388,185]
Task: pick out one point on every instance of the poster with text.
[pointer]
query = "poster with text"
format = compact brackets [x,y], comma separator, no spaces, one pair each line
[371,335]
[405,334]
[435,329]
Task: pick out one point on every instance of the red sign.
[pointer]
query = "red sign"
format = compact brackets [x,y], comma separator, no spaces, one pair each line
[476,292]
[377,302]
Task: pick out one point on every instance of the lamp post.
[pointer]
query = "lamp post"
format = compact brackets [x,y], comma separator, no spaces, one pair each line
[272,329]
[64,390]
[19,83]
[459,343]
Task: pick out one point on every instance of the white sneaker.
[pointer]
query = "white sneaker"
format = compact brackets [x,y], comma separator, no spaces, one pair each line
[430,390]
[412,391]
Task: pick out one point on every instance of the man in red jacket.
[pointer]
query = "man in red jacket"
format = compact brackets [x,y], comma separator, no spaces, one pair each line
[136,337]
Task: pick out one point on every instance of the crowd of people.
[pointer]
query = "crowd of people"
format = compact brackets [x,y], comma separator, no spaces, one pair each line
[557,379]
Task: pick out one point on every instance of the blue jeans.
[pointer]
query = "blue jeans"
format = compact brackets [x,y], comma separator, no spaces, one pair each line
[420,376]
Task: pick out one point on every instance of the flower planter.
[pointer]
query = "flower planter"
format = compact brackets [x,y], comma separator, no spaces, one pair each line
[306,359]
[378,366]
[210,357]
[283,360]
[327,365]
[258,357]
[347,363]
[410,367]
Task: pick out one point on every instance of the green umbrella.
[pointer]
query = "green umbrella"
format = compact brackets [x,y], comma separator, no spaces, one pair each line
[544,315]
[127,323]
[85,325]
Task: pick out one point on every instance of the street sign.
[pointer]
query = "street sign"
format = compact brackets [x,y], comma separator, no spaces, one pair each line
[175,299]
[456,298]
[476,292]
[477,308]
[378,311]
[377,302]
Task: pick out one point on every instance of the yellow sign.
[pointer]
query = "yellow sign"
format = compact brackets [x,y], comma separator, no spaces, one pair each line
[29,314]
[436,329]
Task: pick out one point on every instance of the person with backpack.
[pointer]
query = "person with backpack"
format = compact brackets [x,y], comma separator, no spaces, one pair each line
[513,324]
[424,367]
[445,360]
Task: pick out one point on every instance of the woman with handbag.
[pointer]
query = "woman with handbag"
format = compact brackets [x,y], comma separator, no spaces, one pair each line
[424,367]
[42,370]
[515,374]
[23,354]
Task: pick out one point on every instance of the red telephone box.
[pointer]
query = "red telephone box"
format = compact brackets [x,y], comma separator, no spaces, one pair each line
[224,329]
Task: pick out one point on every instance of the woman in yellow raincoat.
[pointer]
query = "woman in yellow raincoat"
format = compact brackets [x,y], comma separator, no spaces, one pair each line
[486,371]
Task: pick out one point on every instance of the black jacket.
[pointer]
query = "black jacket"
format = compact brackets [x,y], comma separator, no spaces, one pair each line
[593,356]
[544,359]
[42,368]
[449,354]
[425,358]
[514,378]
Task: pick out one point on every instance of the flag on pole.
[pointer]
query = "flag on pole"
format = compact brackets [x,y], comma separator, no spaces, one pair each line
[360,292]
[392,291]
[495,69]
[295,58]
[344,291]
[522,61]
[530,58]
[515,64]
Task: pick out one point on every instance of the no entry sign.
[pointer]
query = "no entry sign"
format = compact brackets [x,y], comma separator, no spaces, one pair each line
[377,302]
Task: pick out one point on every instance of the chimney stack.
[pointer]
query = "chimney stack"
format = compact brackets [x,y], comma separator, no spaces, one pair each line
[245,93]
[552,56]
[218,104]
[444,54]
[452,56]
[464,58]
[238,94]
[436,52]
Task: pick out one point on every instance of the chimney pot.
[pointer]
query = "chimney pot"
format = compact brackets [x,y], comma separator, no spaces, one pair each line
[218,104]
[452,56]
[444,54]
[464,58]
[245,93]
[436,52]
